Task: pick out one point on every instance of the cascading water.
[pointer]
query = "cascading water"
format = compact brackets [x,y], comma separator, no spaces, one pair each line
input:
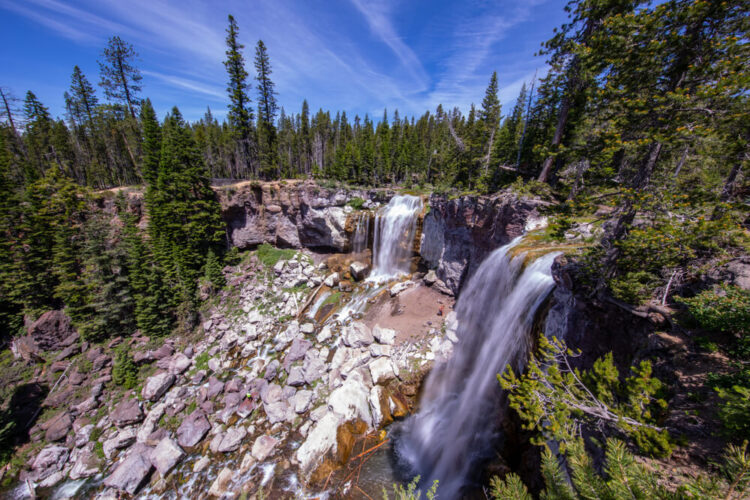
[395,227]
[361,239]
[453,430]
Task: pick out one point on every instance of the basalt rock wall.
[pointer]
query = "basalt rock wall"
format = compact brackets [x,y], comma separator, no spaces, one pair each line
[458,233]
[290,214]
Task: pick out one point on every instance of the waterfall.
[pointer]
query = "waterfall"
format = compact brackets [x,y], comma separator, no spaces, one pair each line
[361,239]
[454,429]
[395,227]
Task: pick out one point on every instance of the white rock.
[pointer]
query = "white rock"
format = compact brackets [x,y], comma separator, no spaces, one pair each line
[221,485]
[400,287]
[331,280]
[157,385]
[381,370]
[358,334]
[377,350]
[324,334]
[307,328]
[351,401]
[376,396]
[278,268]
[302,400]
[321,440]
[384,335]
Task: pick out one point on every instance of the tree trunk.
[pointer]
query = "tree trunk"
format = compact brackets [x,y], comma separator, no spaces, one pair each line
[489,151]
[562,120]
[726,193]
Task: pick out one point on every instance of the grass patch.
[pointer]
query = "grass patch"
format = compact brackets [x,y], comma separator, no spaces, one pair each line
[334,298]
[269,255]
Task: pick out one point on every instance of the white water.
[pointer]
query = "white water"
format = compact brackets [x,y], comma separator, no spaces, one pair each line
[361,239]
[395,227]
[454,428]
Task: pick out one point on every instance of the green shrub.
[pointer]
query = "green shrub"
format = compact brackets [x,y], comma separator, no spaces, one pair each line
[124,371]
[558,226]
[410,492]
[725,309]
[356,203]
[735,411]
[634,287]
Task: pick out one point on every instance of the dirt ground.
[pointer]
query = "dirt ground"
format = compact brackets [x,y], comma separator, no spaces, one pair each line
[412,313]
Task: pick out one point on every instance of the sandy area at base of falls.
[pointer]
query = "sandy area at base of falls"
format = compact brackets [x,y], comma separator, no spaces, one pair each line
[412,313]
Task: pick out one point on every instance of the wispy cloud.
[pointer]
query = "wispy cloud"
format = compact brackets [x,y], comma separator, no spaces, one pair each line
[317,50]
[376,14]
[185,83]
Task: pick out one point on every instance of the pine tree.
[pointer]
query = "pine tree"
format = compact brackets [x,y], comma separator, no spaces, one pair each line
[266,111]
[81,99]
[184,216]
[240,114]
[151,143]
[120,78]
[37,135]
[489,116]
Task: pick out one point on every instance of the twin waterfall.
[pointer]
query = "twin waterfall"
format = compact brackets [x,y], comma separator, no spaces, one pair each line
[395,228]
[454,429]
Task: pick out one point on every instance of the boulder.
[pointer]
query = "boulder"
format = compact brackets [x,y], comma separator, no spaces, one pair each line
[430,278]
[350,401]
[271,393]
[215,387]
[151,423]
[132,472]
[157,385]
[58,427]
[320,441]
[228,441]
[53,331]
[307,328]
[122,439]
[50,460]
[245,408]
[296,351]
[193,429]
[359,270]
[302,400]
[384,335]
[263,447]
[87,464]
[381,370]
[271,370]
[276,412]
[331,280]
[357,334]
[127,412]
[399,287]
[296,377]
[220,486]
[166,455]
[179,363]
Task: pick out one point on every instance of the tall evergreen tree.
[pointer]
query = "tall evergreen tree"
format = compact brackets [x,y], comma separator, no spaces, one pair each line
[184,216]
[240,114]
[489,117]
[120,78]
[266,110]
[81,99]
[151,143]
[37,136]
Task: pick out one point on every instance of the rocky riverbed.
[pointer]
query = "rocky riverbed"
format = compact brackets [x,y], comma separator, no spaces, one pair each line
[264,397]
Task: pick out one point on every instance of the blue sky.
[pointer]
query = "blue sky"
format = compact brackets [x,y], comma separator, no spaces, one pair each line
[356,55]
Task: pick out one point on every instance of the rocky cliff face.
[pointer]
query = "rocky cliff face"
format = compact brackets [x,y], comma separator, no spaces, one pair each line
[457,234]
[293,214]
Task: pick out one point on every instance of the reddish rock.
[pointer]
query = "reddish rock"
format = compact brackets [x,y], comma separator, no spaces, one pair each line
[58,427]
[53,331]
